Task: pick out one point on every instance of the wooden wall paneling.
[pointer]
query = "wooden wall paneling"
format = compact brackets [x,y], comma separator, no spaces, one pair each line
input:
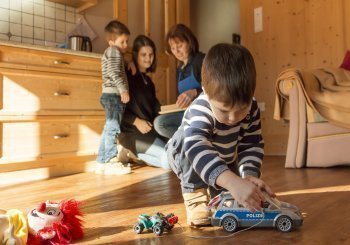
[170,20]
[147,18]
[183,12]
[324,32]
[296,33]
[346,27]
[120,10]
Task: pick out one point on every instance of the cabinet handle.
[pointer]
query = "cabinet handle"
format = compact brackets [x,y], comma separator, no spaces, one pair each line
[61,62]
[58,93]
[60,136]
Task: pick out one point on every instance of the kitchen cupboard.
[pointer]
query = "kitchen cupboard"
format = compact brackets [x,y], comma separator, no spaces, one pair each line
[50,115]
[80,5]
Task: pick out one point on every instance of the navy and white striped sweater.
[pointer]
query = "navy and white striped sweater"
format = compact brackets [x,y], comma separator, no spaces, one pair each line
[212,147]
[113,72]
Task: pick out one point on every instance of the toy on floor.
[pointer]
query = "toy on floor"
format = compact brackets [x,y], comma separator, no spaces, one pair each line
[156,223]
[13,227]
[55,223]
[231,215]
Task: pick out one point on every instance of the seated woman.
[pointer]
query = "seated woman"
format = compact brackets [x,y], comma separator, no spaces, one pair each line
[137,133]
[183,44]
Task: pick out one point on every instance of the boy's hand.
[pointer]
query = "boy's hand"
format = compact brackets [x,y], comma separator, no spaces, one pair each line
[125,97]
[142,125]
[132,67]
[261,184]
[246,191]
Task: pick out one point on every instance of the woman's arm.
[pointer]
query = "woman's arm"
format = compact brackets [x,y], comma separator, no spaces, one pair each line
[142,125]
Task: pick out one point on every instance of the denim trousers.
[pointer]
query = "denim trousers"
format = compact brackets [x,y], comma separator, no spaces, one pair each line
[190,181]
[148,147]
[167,124]
[114,110]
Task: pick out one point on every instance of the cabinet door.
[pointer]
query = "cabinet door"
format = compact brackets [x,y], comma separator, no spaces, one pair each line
[26,92]
[49,138]
[39,60]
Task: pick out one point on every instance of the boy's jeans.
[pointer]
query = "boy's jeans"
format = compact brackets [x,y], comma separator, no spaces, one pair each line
[167,124]
[190,180]
[114,110]
[181,166]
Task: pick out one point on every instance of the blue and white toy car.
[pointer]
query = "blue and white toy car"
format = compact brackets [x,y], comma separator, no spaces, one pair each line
[231,215]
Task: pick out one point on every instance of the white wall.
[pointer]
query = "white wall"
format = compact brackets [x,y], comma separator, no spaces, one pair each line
[214,21]
[98,17]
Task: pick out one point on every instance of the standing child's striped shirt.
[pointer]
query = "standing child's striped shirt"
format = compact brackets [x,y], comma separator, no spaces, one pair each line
[212,147]
[113,72]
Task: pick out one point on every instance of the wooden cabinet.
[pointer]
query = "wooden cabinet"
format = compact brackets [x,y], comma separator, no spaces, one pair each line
[50,115]
[80,5]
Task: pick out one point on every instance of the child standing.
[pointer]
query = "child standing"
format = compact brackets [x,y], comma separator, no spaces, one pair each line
[115,94]
[219,142]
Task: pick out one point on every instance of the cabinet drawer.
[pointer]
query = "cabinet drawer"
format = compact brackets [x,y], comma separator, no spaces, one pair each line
[29,92]
[39,60]
[28,141]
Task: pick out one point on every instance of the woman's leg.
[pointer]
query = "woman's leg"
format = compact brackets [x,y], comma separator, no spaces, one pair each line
[150,149]
[167,124]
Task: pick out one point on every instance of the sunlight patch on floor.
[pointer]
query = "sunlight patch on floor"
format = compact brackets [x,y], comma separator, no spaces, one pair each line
[340,188]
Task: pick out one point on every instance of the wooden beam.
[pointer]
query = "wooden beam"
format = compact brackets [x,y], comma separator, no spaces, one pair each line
[169,21]
[147,18]
[183,12]
[120,10]
[86,5]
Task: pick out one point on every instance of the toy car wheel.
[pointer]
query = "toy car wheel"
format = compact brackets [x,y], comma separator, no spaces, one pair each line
[284,224]
[169,227]
[138,228]
[158,230]
[230,224]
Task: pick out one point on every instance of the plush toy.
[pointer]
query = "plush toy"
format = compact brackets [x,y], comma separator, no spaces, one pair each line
[55,223]
[13,227]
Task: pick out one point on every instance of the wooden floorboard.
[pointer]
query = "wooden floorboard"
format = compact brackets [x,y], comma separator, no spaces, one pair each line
[112,204]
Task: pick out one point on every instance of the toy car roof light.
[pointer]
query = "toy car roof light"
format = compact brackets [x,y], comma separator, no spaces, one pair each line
[214,202]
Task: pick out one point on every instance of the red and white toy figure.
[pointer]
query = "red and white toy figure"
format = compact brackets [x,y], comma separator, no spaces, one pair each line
[55,223]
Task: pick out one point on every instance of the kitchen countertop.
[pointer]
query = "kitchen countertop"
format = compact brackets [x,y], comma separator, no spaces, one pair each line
[50,49]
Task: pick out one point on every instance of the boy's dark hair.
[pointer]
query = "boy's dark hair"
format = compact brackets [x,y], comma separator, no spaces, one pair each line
[142,41]
[184,34]
[114,29]
[228,74]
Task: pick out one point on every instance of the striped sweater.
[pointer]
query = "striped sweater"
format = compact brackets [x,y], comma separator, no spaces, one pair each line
[212,147]
[113,72]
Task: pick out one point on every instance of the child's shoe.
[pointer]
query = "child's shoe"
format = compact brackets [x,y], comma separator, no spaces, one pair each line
[125,155]
[100,168]
[196,207]
[116,168]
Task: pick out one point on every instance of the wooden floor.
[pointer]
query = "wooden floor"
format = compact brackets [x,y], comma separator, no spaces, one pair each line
[112,204]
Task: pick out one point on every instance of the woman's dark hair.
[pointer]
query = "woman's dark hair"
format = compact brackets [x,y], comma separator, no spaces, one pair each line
[142,41]
[184,34]
[228,74]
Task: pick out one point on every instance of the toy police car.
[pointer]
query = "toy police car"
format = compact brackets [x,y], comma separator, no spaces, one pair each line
[230,214]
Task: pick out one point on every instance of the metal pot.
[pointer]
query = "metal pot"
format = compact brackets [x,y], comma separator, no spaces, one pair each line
[80,43]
